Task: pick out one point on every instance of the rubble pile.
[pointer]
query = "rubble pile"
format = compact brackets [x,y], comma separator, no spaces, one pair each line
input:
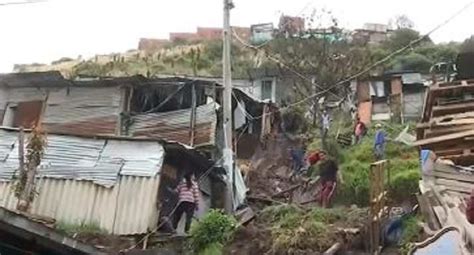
[447,129]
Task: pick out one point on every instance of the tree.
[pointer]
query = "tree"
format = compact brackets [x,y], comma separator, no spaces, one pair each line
[322,57]
[402,37]
[25,186]
[468,45]
[402,22]
[413,61]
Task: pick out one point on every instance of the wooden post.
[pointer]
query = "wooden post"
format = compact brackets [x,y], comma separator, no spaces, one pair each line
[377,198]
[192,128]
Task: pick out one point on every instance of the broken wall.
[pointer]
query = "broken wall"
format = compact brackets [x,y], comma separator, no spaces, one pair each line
[17,107]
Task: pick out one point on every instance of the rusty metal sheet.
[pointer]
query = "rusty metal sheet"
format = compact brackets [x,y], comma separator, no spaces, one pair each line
[83,111]
[27,114]
[175,125]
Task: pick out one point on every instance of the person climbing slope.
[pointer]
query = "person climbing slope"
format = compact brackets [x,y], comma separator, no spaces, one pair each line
[188,202]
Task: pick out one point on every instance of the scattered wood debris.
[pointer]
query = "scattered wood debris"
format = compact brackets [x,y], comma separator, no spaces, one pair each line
[448,121]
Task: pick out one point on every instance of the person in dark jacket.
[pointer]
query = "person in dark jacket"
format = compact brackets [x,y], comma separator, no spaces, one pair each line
[328,176]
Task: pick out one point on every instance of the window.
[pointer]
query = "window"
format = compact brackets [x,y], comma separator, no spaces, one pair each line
[267,90]
[23,114]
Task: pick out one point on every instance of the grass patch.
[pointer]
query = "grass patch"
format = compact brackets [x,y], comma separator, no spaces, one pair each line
[354,162]
[294,229]
[82,228]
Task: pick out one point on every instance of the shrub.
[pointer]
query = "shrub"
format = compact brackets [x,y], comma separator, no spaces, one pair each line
[410,234]
[213,229]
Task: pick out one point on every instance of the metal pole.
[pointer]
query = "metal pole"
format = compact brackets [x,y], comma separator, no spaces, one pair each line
[227,104]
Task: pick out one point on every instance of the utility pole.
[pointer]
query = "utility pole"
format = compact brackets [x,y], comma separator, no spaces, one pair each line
[227,104]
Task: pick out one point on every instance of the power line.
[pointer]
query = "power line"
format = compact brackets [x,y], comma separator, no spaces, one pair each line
[379,62]
[24,2]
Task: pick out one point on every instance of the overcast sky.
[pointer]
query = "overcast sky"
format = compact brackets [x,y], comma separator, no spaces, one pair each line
[47,31]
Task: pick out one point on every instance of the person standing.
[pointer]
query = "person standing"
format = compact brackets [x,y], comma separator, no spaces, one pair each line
[379,143]
[328,176]
[188,202]
[325,119]
[297,158]
[359,130]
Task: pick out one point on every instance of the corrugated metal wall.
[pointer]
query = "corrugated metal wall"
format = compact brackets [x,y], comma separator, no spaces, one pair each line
[85,110]
[127,208]
[175,125]
[413,105]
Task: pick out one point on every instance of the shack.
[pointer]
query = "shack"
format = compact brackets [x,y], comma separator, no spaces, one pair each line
[395,96]
[110,182]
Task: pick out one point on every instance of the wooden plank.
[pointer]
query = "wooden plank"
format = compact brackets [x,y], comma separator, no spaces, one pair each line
[463,160]
[464,115]
[455,177]
[333,249]
[444,138]
[452,109]
[440,214]
[439,131]
[427,212]
[456,185]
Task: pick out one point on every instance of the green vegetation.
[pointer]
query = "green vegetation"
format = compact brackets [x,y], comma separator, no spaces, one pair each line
[403,165]
[411,233]
[212,232]
[92,228]
[354,162]
[181,58]
[294,229]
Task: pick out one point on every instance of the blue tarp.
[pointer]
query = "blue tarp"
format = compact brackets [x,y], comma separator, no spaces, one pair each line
[446,243]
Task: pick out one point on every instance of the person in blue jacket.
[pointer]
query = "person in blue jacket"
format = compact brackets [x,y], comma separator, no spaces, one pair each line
[379,143]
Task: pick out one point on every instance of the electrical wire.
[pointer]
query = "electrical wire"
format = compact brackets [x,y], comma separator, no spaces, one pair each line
[24,2]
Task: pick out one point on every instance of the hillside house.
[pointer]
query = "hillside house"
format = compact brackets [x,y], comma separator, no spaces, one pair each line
[396,96]
[131,133]
[117,184]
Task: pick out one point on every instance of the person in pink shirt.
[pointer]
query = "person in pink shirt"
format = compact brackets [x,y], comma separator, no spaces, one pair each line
[188,192]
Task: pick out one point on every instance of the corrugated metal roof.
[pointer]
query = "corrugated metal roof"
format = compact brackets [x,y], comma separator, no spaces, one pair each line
[412,78]
[139,159]
[97,160]
[175,125]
